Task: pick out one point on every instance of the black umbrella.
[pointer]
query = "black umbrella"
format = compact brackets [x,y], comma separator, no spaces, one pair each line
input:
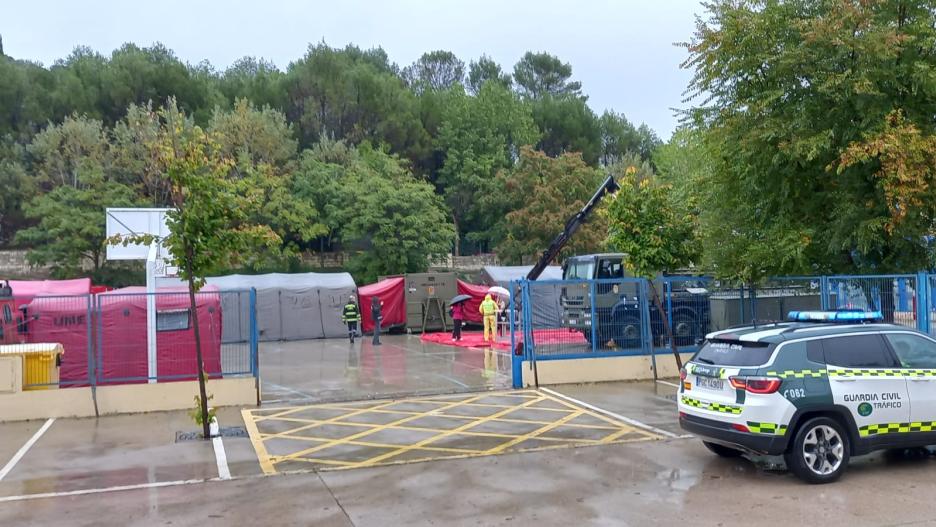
[458,299]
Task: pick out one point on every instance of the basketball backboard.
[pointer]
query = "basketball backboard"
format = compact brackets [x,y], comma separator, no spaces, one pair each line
[134,221]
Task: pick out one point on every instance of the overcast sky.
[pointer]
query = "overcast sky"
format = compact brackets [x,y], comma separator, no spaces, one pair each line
[622,51]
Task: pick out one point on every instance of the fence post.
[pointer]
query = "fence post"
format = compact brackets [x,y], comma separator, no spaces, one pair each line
[824,292]
[254,336]
[646,331]
[92,351]
[254,341]
[594,316]
[516,360]
[529,344]
[741,302]
[922,301]
[668,292]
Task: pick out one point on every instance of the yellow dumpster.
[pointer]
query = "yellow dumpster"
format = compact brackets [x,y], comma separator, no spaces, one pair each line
[40,363]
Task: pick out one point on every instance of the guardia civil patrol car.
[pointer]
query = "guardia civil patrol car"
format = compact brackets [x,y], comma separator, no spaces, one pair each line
[826,386]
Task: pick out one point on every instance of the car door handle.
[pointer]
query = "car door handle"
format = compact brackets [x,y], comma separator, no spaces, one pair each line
[921,379]
[839,379]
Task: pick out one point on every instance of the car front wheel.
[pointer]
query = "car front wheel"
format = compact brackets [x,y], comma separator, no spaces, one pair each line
[819,453]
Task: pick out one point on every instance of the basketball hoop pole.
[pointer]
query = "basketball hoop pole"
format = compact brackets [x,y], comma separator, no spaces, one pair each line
[151,311]
[121,222]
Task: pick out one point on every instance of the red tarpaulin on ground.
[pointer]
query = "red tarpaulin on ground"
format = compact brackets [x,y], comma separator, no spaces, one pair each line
[391,292]
[26,290]
[475,339]
[477,292]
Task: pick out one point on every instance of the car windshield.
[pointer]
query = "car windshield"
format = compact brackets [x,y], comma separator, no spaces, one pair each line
[579,270]
[734,353]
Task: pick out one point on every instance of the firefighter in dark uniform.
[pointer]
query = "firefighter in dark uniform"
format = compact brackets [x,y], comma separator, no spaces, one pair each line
[351,315]
[377,316]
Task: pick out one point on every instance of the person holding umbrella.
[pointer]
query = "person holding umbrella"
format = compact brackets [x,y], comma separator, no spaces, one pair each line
[457,312]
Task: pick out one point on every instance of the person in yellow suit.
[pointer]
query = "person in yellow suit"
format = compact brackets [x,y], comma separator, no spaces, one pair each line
[488,311]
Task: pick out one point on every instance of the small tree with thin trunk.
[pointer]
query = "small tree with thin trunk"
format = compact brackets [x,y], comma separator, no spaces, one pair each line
[209,219]
[654,231]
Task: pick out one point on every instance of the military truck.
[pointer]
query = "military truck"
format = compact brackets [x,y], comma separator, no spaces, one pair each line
[617,304]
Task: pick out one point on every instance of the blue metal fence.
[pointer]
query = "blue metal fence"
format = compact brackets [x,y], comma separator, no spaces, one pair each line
[601,318]
[106,338]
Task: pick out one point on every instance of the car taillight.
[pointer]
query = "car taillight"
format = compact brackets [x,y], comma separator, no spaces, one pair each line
[740,428]
[760,385]
[763,385]
[682,374]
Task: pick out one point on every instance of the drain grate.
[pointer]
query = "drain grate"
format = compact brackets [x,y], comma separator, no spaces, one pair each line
[226,431]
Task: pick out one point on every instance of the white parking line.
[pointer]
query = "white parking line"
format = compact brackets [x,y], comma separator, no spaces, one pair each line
[619,417]
[224,472]
[25,448]
[83,492]
[673,384]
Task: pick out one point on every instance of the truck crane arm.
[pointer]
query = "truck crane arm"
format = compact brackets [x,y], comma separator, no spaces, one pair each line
[608,187]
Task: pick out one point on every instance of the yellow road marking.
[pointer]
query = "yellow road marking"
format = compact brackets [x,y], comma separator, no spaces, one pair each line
[445,434]
[365,433]
[266,464]
[436,406]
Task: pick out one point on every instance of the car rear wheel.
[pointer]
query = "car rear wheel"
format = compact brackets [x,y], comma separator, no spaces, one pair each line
[819,452]
[721,450]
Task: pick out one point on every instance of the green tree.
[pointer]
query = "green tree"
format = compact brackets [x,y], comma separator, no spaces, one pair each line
[619,137]
[261,143]
[371,201]
[541,193]
[568,125]
[478,137]
[484,70]
[257,80]
[352,95]
[540,74]
[401,217]
[654,232]
[209,223]
[784,90]
[72,161]
[434,71]
[25,98]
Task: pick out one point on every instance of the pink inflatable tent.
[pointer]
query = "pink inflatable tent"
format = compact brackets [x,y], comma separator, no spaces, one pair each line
[122,333]
[25,290]
[67,321]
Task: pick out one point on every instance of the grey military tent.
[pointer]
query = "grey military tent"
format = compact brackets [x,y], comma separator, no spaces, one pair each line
[547,313]
[289,306]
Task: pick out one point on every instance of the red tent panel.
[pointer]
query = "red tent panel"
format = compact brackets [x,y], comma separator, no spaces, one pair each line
[123,334]
[393,294]
[477,292]
[64,321]
[26,290]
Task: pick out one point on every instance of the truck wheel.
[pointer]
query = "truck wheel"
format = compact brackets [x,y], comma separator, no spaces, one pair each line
[685,329]
[721,450]
[627,332]
[819,452]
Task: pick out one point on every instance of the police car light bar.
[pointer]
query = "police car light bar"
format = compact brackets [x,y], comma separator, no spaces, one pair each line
[836,316]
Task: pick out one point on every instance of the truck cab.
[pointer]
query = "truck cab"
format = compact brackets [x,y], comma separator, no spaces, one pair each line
[8,322]
[615,305]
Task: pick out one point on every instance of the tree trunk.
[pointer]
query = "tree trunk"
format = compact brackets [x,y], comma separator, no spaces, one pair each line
[202,392]
[666,325]
[457,252]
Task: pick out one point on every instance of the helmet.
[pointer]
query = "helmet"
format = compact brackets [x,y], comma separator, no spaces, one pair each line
[351,298]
